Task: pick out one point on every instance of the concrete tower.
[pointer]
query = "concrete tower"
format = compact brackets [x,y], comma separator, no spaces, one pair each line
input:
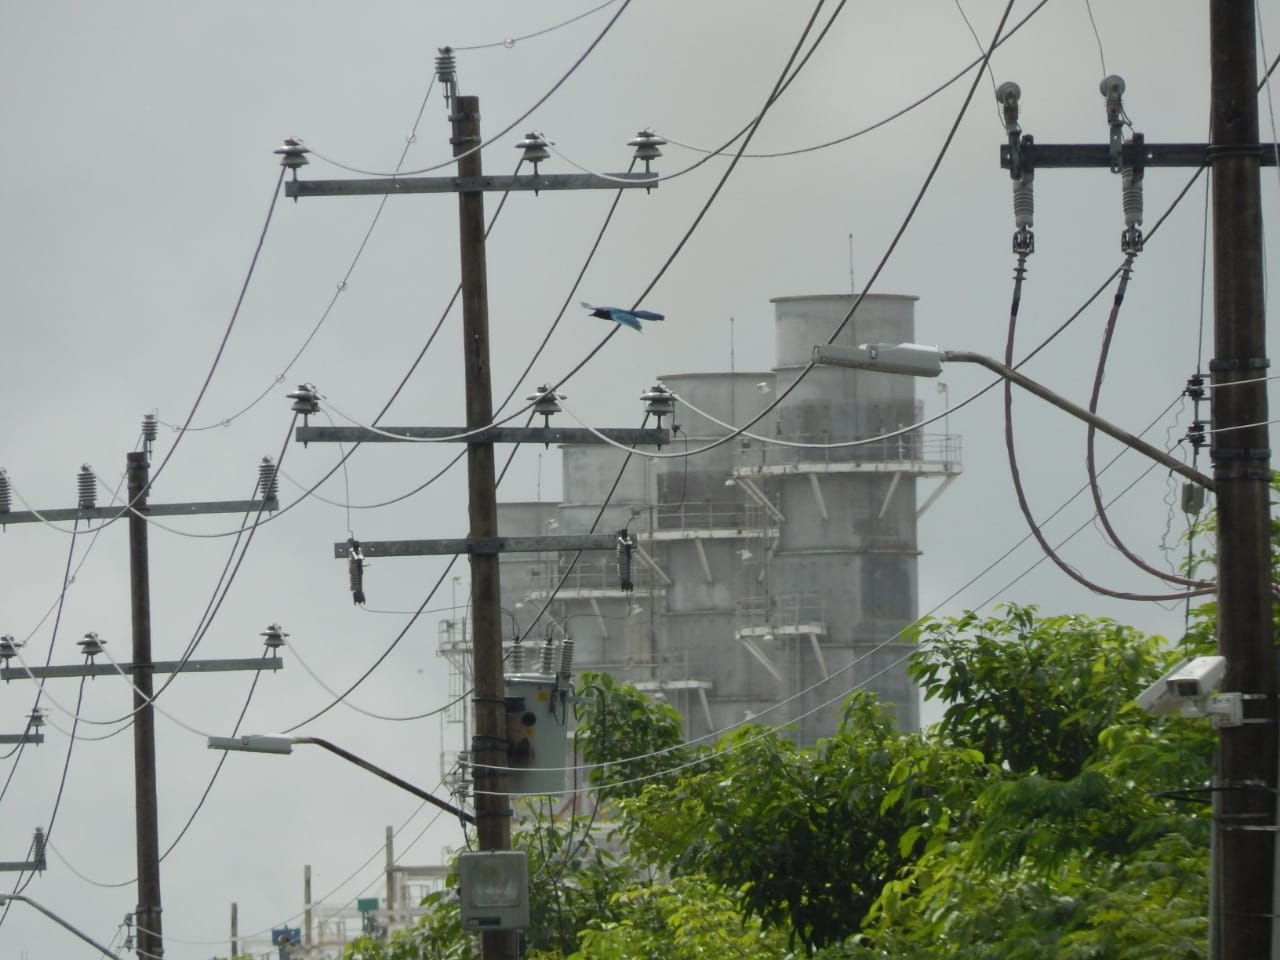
[773,573]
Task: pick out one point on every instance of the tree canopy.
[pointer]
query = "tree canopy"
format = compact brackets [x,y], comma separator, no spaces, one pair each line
[1044,815]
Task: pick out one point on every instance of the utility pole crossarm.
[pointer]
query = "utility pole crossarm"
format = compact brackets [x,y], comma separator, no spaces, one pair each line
[160,666]
[1059,155]
[469,184]
[545,435]
[151,510]
[477,545]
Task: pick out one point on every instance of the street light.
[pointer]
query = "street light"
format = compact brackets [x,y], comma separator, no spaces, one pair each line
[257,743]
[917,360]
[494,884]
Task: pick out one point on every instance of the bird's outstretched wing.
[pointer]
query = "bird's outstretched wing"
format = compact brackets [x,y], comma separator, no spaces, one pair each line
[630,318]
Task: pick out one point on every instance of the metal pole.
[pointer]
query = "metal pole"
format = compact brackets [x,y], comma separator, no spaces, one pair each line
[391,878]
[306,901]
[1080,413]
[150,941]
[488,745]
[1247,755]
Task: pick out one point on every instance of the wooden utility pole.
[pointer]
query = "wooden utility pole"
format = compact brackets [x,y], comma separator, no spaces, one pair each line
[489,739]
[1245,786]
[489,747]
[142,667]
[1243,913]
[146,818]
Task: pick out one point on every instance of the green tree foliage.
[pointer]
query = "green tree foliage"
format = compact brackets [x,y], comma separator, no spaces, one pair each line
[1090,837]
[627,739]
[1045,815]
[808,837]
[1032,693]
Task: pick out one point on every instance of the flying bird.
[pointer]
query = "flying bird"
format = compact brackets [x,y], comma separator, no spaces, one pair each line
[630,318]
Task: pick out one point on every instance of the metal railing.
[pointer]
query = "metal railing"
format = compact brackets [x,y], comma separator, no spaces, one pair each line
[786,610]
[708,515]
[911,447]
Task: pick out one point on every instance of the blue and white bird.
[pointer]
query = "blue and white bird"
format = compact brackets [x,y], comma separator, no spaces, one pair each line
[629,318]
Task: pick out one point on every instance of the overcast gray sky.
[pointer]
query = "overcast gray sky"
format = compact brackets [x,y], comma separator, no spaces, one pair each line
[137,174]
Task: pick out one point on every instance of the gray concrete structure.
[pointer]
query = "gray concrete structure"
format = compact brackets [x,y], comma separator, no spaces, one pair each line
[772,573]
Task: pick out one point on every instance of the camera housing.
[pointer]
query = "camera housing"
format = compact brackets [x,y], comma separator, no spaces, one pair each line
[1188,688]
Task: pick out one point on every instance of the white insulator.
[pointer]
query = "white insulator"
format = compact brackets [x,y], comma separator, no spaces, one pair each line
[150,427]
[268,485]
[87,485]
[548,657]
[566,658]
[1024,200]
[1131,196]
[6,496]
[516,659]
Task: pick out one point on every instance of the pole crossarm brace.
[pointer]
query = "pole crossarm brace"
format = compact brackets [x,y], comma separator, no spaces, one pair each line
[160,666]
[150,510]
[481,184]
[477,545]
[1050,155]
[544,435]
[1080,413]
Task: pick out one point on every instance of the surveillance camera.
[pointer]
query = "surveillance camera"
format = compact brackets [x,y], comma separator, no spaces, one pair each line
[1182,687]
[1197,677]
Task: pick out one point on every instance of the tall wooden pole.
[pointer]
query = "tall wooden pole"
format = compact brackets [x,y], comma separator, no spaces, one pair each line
[1246,780]
[150,941]
[488,745]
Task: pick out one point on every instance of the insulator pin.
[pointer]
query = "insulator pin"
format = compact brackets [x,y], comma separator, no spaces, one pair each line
[647,144]
[292,155]
[355,570]
[87,487]
[566,660]
[625,547]
[268,484]
[1024,200]
[1024,213]
[1196,434]
[447,71]
[659,401]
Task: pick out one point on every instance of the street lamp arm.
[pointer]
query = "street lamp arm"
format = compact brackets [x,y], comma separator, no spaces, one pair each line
[389,777]
[62,923]
[1080,413]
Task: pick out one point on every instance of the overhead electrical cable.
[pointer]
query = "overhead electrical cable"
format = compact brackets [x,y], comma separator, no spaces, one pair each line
[400,636]
[899,636]
[1016,475]
[253,686]
[980,62]
[505,130]
[509,42]
[341,287]
[1091,443]
[783,394]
